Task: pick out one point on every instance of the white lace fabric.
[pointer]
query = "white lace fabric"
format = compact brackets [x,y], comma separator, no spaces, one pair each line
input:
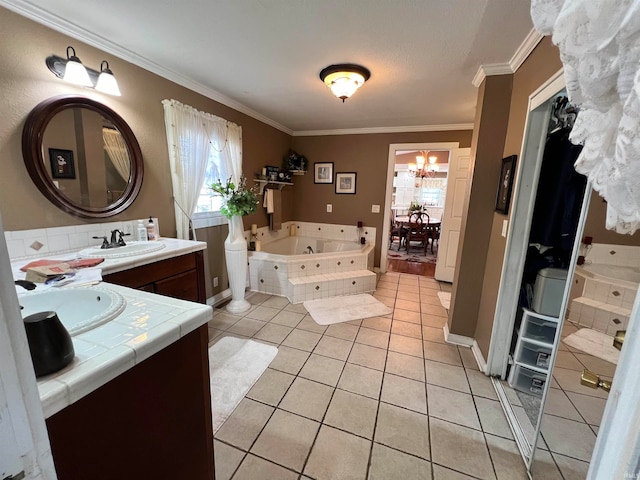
[599,42]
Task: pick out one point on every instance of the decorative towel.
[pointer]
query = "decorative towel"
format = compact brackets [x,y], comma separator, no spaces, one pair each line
[276,215]
[268,200]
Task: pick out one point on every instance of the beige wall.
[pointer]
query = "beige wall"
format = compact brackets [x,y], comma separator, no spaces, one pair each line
[368,156]
[595,225]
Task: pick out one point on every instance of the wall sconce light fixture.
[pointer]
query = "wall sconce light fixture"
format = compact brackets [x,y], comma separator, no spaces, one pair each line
[344,79]
[72,70]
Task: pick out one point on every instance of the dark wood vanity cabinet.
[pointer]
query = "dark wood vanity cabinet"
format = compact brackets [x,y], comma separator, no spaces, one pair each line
[179,277]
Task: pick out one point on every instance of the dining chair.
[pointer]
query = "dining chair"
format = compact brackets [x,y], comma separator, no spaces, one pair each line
[418,230]
[398,231]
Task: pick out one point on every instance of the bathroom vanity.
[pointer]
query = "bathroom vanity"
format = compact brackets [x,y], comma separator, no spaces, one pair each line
[136,401]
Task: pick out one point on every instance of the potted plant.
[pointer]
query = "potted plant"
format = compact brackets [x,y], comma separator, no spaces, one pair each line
[297,164]
[414,206]
[237,201]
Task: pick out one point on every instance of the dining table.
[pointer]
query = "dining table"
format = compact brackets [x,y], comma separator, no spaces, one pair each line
[403,223]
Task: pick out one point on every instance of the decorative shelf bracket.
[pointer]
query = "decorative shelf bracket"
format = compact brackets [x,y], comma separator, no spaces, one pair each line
[264,183]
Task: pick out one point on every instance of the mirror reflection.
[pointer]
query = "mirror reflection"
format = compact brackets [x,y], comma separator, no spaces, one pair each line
[86,157]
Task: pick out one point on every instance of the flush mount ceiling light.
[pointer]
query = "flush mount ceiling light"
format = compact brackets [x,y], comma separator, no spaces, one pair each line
[344,79]
[72,70]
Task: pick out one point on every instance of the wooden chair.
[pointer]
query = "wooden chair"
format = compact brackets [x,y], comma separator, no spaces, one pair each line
[418,230]
[396,231]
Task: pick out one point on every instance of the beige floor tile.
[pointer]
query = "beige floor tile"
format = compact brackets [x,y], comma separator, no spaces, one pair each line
[406,315]
[558,404]
[453,406]
[434,310]
[433,334]
[361,380]
[406,345]
[591,408]
[289,360]
[333,347]
[445,286]
[442,353]
[276,302]
[255,468]
[567,437]
[302,340]
[405,328]
[507,460]
[569,380]
[227,459]
[287,318]
[430,298]
[256,298]
[214,333]
[373,338]
[441,473]
[298,308]
[388,301]
[310,325]
[307,398]
[262,313]
[568,360]
[271,387]
[468,359]
[223,321]
[405,366]
[404,392]
[408,283]
[322,369]
[403,430]
[354,413]
[286,439]
[338,455]
[445,375]
[246,327]
[344,331]
[412,306]
[571,468]
[244,424]
[433,320]
[404,295]
[386,292]
[367,356]
[273,333]
[597,365]
[377,323]
[544,467]
[481,385]
[460,448]
[492,417]
[389,464]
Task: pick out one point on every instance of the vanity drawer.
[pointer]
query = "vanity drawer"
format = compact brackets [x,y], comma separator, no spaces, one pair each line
[183,286]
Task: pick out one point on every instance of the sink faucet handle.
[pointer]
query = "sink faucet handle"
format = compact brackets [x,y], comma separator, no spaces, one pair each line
[121,234]
[105,244]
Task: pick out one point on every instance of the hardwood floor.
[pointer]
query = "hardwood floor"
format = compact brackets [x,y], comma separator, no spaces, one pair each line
[416,268]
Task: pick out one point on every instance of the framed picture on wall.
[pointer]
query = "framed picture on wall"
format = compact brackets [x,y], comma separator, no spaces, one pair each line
[507,172]
[323,172]
[62,165]
[346,182]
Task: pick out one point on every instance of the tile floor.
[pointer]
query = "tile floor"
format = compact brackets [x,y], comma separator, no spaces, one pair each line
[380,398]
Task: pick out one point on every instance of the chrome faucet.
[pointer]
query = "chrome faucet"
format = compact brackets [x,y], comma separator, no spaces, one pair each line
[117,239]
[309,250]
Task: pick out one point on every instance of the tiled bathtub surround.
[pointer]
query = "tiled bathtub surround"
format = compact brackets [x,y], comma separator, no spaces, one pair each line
[55,240]
[623,255]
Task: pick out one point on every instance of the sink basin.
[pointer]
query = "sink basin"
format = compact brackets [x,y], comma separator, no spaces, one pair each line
[129,250]
[79,309]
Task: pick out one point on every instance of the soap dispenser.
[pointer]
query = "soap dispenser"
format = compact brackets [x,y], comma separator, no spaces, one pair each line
[142,232]
[151,230]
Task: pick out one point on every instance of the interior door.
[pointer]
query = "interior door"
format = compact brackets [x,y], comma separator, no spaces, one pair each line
[459,161]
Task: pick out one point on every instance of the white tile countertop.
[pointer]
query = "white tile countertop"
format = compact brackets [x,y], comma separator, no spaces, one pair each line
[148,324]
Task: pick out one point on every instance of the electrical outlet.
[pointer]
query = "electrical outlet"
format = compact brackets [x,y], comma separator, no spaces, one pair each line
[215,282]
[329,208]
[375,208]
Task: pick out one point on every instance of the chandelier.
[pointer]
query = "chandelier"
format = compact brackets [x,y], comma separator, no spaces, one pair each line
[422,168]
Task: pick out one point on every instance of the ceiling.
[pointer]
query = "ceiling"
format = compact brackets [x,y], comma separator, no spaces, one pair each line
[263,57]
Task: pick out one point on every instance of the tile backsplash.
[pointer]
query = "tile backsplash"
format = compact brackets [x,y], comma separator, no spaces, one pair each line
[57,240]
[621,255]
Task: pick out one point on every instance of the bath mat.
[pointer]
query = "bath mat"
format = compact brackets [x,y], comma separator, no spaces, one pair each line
[326,311]
[445,299]
[235,364]
[594,343]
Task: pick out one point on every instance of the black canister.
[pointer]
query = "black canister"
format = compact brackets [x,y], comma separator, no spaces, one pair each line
[49,342]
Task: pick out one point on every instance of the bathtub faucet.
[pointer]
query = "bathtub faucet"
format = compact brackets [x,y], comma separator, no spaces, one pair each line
[309,250]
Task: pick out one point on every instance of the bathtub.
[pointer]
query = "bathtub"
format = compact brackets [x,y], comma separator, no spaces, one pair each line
[336,267]
[610,273]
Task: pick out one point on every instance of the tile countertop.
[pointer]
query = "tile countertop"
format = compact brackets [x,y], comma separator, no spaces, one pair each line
[148,324]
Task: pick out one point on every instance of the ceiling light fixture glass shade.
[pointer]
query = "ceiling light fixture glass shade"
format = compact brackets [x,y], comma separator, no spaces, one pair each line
[423,169]
[75,72]
[344,79]
[107,83]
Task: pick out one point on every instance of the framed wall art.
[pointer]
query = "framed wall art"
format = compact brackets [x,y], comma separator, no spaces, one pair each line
[346,182]
[323,172]
[507,172]
[62,165]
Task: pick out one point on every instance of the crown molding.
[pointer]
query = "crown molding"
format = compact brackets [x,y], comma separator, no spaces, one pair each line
[59,24]
[524,50]
[364,131]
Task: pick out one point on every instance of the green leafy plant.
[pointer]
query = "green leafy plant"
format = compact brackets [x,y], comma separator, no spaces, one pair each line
[415,206]
[236,199]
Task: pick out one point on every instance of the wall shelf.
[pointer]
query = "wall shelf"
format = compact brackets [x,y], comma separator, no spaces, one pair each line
[263,184]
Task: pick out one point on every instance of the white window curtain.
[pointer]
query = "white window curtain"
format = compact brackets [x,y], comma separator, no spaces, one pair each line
[117,151]
[191,135]
[599,42]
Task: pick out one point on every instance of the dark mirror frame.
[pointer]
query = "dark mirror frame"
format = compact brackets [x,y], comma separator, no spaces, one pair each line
[32,137]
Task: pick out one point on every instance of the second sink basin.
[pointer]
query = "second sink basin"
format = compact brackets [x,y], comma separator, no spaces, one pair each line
[79,309]
[130,249]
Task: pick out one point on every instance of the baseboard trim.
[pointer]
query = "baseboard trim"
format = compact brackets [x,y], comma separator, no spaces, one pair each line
[219,298]
[482,364]
[455,338]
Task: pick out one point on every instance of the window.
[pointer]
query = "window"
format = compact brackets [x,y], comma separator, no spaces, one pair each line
[208,203]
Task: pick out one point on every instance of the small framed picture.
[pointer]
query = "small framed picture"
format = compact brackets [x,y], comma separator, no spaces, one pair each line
[507,172]
[62,165]
[346,182]
[323,172]
[272,173]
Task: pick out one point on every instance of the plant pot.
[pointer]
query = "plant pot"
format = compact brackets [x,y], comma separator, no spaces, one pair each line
[235,251]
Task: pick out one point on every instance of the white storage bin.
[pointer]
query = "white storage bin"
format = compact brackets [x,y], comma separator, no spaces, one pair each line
[528,381]
[535,355]
[540,330]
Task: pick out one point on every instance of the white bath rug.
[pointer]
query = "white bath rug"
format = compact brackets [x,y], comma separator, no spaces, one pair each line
[326,311]
[594,343]
[445,299]
[235,364]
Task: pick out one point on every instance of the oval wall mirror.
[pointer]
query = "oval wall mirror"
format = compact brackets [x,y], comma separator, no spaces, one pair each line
[82,156]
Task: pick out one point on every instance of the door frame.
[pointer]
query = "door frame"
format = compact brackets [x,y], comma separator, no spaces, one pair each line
[391,161]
